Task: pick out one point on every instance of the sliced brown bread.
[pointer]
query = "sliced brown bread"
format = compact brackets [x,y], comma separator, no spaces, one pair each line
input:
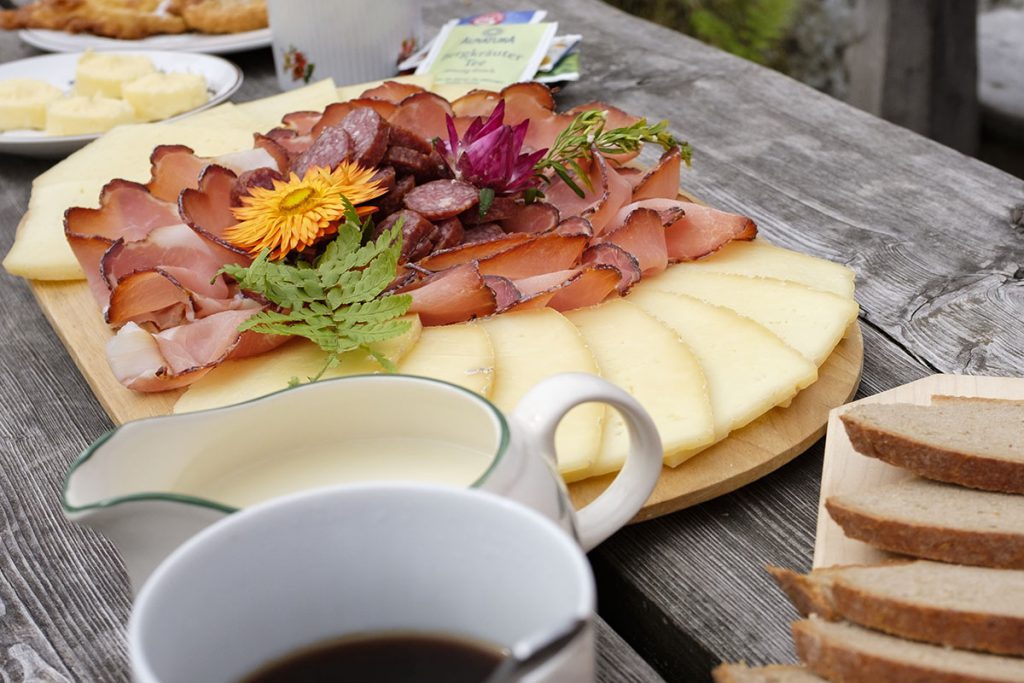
[775,673]
[972,608]
[844,653]
[936,521]
[973,442]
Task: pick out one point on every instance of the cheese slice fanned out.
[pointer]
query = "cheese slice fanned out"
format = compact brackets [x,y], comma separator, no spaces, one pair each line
[758,258]
[530,346]
[809,320]
[748,369]
[648,360]
[460,354]
[235,381]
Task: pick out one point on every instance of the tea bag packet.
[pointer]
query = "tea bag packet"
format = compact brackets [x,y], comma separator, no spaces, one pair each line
[486,19]
[488,56]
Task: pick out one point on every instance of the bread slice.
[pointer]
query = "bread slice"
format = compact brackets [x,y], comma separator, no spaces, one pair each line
[936,521]
[775,673]
[972,608]
[973,442]
[843,652]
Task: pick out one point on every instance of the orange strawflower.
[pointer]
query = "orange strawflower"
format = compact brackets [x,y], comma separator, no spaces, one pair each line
[299,212]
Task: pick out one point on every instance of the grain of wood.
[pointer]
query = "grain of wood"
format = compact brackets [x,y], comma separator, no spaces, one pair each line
[938,277]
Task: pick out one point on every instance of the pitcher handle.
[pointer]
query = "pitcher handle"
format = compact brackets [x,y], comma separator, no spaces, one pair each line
[542,409]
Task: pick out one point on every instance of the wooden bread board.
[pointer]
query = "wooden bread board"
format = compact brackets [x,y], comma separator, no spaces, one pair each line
[748,454]
[846,471]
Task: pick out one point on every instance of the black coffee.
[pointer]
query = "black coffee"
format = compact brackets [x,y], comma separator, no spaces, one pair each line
[385,658]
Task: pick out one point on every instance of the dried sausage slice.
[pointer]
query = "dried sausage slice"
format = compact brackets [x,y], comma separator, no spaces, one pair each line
[369,133]
[441,199]
[330,149]
[415,229]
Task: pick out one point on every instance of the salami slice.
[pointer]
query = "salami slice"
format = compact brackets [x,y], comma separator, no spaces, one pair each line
[330,149]
[441,199]
[394,199]
[385,177]
[415,230]
[500,209]
[482,233]
[450,233]
[409,160]
[404,137]
[369,133]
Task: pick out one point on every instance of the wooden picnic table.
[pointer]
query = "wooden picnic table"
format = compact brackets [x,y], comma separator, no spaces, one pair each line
[940,268]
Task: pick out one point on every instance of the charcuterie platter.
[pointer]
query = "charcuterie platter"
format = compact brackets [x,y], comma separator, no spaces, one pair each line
[737,348]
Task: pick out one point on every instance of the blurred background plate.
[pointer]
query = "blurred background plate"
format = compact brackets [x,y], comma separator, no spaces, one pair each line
[222,79]
[59,41]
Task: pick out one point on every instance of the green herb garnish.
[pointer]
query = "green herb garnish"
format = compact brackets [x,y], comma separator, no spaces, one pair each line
[334,301]
[587,133]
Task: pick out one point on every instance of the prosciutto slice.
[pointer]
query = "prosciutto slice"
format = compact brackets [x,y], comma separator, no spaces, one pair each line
[176,167]
[662,181]
[454,295]
[642,234]
[167,297]
[391,91]
[471,251]
[565,290]
[207,208]
[532,218]
[607,194]
[613,255]
[423,114]
[541,254]
[694,230]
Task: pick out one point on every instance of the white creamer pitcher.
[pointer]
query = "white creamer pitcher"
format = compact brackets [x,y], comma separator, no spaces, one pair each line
[151,484]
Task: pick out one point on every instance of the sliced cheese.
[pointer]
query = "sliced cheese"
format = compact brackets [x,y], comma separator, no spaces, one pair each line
[647,359]
[530,346]
[759,258]
[40,250]
[350,92]
[124,152]
[267,112]
[748,369]
[460,354]
[809,320]
[223,115]
[236,381]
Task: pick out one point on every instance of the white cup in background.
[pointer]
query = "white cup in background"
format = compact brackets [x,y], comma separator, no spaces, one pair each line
[351,41]
[307,568]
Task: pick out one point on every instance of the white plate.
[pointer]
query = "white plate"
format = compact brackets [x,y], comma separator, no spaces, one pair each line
[59,41]
[222,78]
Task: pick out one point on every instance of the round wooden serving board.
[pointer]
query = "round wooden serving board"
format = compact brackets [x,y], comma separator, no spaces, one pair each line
[761,447]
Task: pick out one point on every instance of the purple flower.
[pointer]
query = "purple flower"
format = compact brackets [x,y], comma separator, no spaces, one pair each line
[490,154]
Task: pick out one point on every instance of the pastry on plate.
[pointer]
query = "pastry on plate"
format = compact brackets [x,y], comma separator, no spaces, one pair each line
[122,19]
[224,16]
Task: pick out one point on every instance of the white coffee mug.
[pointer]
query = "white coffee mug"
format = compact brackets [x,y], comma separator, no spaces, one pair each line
[351,41]
[362,559]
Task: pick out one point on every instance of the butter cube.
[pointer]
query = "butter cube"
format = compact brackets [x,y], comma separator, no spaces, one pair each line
[105,73]
[162,95]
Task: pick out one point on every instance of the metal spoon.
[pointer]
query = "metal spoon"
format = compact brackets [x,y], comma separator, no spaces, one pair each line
[530,653]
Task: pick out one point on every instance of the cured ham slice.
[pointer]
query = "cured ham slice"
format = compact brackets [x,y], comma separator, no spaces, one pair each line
[662,181]
[608,193]
[166,297]
[291,142]
[614,118]
[574,225]
[505,292]
[541,254]
[472,251]
[135,359]
[452,296]
[176,167]
[568,289]
[613,255]
[392,91]
[482,233]
[172,245]
[423,114]
[302,122]
[282,160]
[476,103]
[127,210]
[532,218]
[642,234]
[207,208]
[89,252]
[697,231]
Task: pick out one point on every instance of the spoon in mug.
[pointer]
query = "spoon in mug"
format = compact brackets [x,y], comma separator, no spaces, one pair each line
[532,652]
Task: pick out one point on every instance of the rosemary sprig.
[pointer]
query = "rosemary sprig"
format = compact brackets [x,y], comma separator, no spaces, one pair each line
[586,133]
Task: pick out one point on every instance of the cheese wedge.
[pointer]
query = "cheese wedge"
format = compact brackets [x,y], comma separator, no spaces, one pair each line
[460,354]
[759,258]
[40,250]
[267,112]
[530,346]
[647,359]
[236,381]
[809,320]
[748,369]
